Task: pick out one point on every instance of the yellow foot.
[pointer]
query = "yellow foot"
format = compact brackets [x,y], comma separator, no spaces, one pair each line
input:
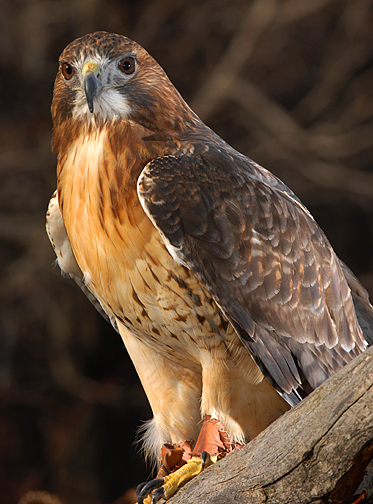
[166,487]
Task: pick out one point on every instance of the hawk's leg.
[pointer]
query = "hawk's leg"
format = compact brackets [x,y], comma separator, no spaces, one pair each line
[180,463]
[166,487]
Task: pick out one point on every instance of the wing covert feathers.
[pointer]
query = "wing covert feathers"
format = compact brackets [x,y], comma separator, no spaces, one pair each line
[263,258]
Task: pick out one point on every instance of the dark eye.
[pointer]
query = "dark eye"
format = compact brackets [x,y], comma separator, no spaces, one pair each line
[67,71]
[127,65]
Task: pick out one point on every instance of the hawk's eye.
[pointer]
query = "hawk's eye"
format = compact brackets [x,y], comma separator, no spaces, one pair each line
[67,71]
[127,65]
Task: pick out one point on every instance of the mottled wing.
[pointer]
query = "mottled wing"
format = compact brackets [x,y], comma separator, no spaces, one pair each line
[263,258]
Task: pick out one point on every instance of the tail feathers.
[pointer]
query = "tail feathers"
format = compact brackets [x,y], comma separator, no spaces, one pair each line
[364,313]
[363,308]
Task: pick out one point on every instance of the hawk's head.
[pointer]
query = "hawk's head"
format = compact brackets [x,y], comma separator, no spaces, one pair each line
[106,77]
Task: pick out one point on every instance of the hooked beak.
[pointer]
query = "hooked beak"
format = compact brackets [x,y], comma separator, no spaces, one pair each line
[91,82]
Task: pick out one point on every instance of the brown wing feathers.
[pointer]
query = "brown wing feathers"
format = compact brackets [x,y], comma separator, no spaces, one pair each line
[263,258]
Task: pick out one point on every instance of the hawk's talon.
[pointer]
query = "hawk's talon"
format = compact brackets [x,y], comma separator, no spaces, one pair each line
[139,487]
[206,459]
[166,487]
[144,489]
[157,495]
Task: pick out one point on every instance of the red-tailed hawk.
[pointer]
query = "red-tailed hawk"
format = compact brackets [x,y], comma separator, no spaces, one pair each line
[228,296]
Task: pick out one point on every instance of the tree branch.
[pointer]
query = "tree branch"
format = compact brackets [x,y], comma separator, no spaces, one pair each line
[317,452]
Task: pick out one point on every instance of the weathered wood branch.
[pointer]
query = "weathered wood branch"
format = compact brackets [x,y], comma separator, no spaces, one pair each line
[317,452]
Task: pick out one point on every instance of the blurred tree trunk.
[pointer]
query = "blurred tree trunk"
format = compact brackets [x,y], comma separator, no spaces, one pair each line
[317,452]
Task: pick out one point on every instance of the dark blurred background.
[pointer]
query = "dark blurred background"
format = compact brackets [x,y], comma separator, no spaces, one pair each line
[287,82]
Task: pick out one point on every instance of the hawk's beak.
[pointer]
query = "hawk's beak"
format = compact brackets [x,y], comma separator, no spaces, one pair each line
[91,82]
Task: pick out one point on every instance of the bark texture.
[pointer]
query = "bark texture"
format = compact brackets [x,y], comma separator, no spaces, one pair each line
[317,452]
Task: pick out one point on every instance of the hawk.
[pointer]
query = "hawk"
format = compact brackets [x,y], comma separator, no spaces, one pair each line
[229,298]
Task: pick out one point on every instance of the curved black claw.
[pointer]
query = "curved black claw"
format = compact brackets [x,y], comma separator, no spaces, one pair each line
[158,494]
[139,487]
[144,489]
[206,459]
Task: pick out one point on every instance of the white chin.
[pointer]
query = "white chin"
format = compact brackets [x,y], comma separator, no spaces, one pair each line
[110,104]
